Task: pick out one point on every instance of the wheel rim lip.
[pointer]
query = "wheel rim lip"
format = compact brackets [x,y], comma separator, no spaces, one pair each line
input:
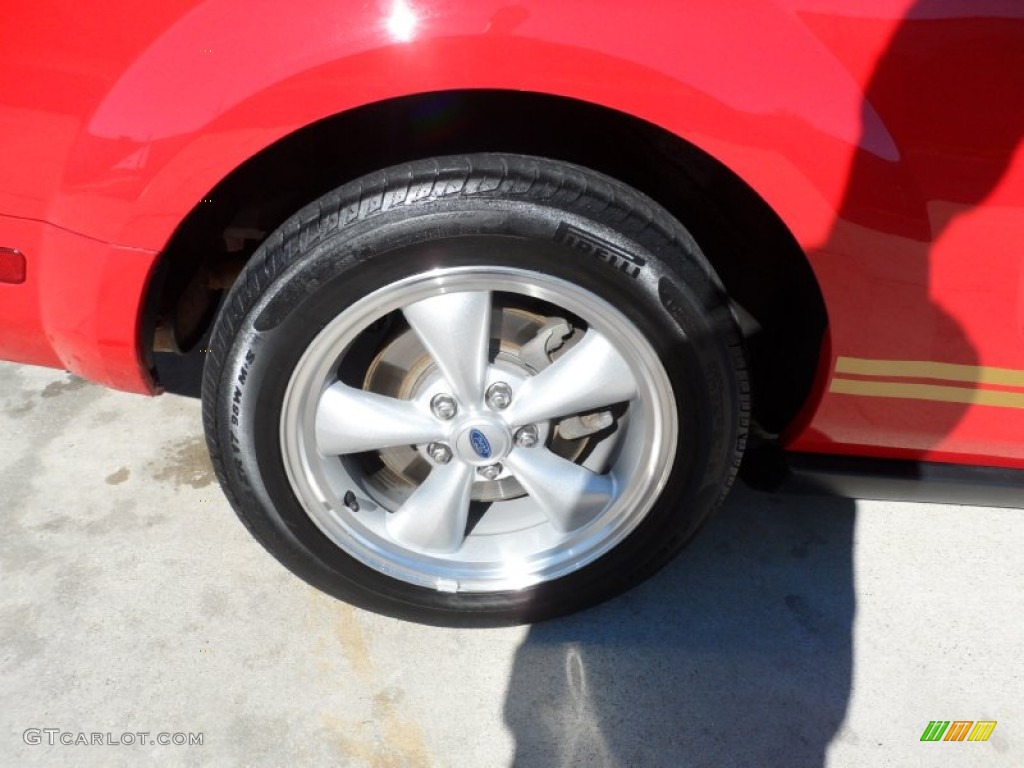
[307,469]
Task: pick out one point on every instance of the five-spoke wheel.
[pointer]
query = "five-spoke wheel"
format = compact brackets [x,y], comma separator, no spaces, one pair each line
[503,428]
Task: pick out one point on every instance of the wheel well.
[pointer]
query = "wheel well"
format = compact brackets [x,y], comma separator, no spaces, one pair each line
[766,274]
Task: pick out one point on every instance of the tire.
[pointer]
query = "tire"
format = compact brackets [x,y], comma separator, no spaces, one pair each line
[356,397]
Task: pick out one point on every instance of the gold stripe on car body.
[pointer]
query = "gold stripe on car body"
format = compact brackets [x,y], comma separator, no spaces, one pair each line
[923,369]
[933,392]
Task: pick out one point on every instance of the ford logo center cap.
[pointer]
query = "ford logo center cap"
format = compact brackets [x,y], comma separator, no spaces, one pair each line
[480,443]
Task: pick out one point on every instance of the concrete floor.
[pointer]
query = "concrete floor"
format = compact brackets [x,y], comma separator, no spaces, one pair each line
[796,631]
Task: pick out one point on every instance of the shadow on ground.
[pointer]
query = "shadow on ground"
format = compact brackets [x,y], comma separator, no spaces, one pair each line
[739,653]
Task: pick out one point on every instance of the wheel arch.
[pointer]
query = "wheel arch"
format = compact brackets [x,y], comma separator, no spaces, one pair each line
[765,271]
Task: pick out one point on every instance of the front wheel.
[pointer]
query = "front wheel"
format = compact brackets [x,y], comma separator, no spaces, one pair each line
[476,390]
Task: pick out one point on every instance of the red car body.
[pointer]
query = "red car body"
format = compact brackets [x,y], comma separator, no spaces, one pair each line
[886,136]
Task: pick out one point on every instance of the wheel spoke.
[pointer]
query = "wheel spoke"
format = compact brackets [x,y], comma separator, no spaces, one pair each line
[590,375]
[456,329]
[570,495]
[434,518]
[350,420]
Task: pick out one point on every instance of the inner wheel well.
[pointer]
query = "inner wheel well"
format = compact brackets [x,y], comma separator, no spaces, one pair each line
[766,274]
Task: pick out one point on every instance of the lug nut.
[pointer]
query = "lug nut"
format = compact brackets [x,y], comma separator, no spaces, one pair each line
[439,452]
[490,472]
[499,396]
[444,407]
[527,437]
